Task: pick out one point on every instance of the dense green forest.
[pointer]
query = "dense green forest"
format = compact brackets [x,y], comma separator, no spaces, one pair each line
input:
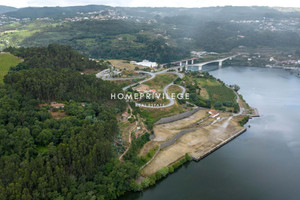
[55,57]
[42,157]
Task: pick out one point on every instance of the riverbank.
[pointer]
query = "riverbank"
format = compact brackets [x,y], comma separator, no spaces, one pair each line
[206,136]
[199,157]
[196,135]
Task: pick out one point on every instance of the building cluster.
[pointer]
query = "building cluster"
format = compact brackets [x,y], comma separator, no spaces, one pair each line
[200,54]
[97,15]
[9,20]
[272,24]
[213,113]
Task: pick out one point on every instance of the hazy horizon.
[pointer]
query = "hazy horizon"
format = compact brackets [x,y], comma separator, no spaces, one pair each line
[154,3]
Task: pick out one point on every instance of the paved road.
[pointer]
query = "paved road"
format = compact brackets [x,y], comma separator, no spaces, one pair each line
[152,76]
[172,101]
[123,79]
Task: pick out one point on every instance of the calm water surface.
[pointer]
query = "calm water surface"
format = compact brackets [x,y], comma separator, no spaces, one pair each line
[263,163]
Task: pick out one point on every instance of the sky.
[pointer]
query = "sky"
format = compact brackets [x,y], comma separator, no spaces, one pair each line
[152,3]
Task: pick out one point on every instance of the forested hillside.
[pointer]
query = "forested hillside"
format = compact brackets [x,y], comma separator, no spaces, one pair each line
[156,34]
[117,39]
[55,57]
[73,157]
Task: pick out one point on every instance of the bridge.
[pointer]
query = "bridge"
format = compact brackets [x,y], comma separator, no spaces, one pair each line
[182,62]
[219,61]
[185,63]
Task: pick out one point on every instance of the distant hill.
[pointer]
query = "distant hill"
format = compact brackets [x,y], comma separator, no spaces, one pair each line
[209,13]
[5,9]
[53,12]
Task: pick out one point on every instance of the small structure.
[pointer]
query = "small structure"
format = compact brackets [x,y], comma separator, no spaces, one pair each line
[57,105]
[125,115]
[83,104]
[213,113]
[152,91]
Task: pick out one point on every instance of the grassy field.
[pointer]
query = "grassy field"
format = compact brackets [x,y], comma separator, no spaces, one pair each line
[174,89]
[212,90]
[7,61]
[160,81]
[14,34]
[221,93]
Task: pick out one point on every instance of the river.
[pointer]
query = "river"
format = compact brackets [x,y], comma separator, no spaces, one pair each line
[262,163]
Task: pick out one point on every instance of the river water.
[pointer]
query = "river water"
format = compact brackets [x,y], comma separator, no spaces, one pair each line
[262,163]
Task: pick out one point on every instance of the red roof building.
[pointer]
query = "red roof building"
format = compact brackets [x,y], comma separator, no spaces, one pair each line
[213,113]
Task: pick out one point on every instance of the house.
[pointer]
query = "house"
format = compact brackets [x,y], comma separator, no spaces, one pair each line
[57,105]
[213,113]
[125,115]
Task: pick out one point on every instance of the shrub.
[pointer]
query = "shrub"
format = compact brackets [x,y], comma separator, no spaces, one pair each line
[146,182]
[164,171]
[244,121]
[152,178]
[188,157]
[171,169]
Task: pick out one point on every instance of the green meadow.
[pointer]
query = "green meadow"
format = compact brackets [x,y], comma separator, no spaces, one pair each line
[6,62]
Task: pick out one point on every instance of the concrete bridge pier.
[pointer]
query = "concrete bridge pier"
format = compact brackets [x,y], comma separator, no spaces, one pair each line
[186,63]
[180,63]
[220,64]
[200,68]
[192,62]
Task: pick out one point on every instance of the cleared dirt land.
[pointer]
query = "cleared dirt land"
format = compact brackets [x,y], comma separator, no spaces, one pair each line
[208,134]
[164,132]
[121,64]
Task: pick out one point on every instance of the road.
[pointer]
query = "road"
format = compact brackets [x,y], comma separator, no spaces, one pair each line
[152,76]
[123,79]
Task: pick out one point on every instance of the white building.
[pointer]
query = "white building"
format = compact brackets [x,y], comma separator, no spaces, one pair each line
[147,63]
